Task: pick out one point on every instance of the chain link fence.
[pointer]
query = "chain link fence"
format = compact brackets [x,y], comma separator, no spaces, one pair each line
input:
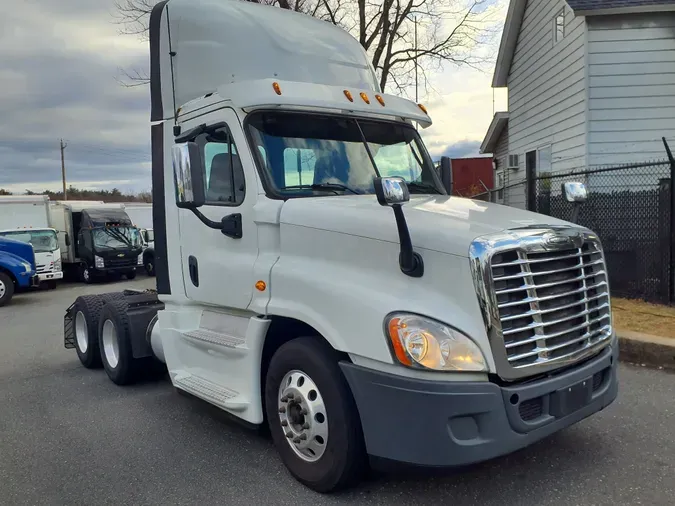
[630,207]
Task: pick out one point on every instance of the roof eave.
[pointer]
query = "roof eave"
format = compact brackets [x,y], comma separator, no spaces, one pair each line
[625,10]
[499,122]
[507,46]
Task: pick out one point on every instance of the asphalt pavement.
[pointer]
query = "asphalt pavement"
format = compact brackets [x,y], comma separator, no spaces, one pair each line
[68,436]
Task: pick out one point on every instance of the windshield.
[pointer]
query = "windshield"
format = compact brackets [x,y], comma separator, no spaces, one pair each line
[107,238]
[308,154]
[43,241]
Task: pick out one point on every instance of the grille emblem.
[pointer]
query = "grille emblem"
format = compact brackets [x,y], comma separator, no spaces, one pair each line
[121,255]
[556,240]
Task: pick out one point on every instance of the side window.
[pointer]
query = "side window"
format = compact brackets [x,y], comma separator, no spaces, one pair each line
[223,172]
[299,166]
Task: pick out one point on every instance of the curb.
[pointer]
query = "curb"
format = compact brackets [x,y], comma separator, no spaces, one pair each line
[648,350]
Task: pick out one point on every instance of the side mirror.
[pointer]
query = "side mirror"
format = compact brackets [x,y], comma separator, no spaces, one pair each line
[67,239]
[575,192]
[150,235]
[188,175]
[446,174]
[391,191]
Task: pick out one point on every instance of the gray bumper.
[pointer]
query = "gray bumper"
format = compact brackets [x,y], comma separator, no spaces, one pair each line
[431,423]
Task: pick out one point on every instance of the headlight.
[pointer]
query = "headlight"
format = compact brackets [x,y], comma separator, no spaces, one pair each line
[427,344]
[57,264]
[28,267]
[140,259]
[98,262]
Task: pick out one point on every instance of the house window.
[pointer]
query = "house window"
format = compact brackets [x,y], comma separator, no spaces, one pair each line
[559,27]
[544,159]
[513,162]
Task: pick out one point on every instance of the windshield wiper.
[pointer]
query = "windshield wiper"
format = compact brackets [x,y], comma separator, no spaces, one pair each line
[323,186]
[423,186]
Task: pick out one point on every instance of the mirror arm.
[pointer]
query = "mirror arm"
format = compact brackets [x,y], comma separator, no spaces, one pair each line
[230,225]
[411,263]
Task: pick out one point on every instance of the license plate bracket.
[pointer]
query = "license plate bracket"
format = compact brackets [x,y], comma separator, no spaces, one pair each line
[570,399]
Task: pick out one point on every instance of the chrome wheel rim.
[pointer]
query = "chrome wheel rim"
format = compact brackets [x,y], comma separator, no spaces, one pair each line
[85,274]
[303,417]
[3,289]
[81,332]
[111,348]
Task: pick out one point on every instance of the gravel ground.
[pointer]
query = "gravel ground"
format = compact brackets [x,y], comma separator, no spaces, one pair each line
[69,436]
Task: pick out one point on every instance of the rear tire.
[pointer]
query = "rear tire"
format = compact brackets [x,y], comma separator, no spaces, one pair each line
[115,343]
[6,289]
[87,311]
[328,416]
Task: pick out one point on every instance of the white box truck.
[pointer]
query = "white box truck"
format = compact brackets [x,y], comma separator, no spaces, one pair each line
[97,239]
[141,215]
[301,286]
[26,218]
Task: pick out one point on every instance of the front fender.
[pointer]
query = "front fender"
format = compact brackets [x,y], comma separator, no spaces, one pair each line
[344,286]
[14,264]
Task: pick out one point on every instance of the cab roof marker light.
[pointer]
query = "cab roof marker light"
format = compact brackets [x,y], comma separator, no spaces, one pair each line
[380,99]
[364,97]
[424,109]
[277,88]
[348,94]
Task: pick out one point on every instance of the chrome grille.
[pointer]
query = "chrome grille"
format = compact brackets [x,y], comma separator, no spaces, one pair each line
[552,305]
[40,269]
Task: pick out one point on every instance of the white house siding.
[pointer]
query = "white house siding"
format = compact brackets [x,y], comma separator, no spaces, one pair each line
[547,98]
[631,87]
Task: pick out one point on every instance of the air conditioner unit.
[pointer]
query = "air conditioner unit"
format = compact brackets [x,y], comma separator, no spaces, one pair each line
[513,162]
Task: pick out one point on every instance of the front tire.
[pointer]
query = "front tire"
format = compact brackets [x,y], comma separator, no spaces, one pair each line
[312,416]
[6,289]
[131,275]
[115,343]
[87,274]
[149,265]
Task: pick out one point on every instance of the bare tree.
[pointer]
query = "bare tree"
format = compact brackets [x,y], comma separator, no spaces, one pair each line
[404,38]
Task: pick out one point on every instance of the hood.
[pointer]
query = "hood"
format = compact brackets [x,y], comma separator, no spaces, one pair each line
[440,223]
[17,248]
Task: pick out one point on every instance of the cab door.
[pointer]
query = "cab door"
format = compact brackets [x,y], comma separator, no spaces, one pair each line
[218,267]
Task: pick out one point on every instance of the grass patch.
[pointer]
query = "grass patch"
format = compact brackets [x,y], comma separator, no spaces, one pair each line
[640,316]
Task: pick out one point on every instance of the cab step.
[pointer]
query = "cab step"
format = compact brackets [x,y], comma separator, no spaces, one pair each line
[217,338]
[210,391]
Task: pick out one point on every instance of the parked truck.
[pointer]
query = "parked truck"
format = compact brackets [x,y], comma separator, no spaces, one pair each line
[301,286]
[26,218]
[97,240]
[141,215]
[17,268]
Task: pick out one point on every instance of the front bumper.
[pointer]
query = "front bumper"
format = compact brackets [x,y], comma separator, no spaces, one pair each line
[50,276]
[449,424]
[115,270]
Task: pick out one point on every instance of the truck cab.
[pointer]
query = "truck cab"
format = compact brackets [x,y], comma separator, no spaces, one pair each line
[313,274]
[47,252]
[17,268]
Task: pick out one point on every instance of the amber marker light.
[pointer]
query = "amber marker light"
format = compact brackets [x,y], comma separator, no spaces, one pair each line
[348,94]
[424,109]
[260,286]
[365,97]
[380,100]
[277,88]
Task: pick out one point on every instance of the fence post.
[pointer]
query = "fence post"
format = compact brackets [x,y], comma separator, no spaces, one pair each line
[665,234]
[671,221]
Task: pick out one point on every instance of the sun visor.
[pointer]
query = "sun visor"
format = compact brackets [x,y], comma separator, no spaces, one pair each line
[270,93]
[94,218]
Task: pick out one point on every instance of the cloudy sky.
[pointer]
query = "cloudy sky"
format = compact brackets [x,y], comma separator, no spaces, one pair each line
[59,60]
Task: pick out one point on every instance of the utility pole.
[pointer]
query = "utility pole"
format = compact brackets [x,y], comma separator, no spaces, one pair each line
[63,169]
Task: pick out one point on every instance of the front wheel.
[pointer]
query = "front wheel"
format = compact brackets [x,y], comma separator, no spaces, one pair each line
[6,289]
[86,274]
[312,416]
[131,275]
[149,265]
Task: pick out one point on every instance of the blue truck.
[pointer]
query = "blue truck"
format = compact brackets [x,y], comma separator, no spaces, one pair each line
[17,268]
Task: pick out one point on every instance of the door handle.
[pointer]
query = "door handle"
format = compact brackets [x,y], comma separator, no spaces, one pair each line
[193,266]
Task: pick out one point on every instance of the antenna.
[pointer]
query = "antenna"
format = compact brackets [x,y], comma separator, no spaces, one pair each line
[172,53]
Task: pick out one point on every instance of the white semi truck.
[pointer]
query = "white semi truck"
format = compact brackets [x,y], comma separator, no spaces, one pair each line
[302,287]
[26,218]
